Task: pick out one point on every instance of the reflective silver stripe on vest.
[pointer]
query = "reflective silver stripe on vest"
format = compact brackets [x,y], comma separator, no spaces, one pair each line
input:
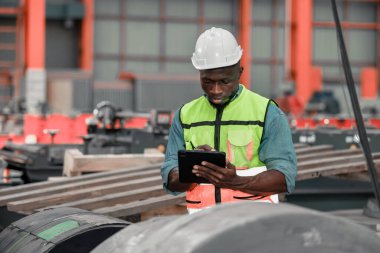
[253,172]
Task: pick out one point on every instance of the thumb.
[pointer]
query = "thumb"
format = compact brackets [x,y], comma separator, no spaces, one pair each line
[230,165]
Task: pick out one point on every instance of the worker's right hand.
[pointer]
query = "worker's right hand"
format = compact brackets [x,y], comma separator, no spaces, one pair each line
[205,147]
[175,185]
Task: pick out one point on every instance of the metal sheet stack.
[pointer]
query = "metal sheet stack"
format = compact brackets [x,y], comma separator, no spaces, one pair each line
[124,192]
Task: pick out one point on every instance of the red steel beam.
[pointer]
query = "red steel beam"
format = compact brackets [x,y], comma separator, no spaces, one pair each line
[7,46]
[200,16]
[368,81]
[378,43]
[350,25]
[8,11]
[35,36]
[302,11]
[292,42]
[245,41]
[7,29]
[87,35]
[6,64]
[274,60]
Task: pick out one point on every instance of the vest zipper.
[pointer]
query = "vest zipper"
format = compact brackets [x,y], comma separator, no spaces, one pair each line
[219,113]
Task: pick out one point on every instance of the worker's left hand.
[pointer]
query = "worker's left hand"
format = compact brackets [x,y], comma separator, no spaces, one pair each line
[218,176]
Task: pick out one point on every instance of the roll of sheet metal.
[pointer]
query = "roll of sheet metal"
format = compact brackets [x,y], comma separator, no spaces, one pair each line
[129,240]
[254,227]
[69,230]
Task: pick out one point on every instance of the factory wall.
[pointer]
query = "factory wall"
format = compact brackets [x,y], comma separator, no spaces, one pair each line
[158,37]
[149,37]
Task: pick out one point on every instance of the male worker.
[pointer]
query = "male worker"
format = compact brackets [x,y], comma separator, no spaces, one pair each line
[250,129]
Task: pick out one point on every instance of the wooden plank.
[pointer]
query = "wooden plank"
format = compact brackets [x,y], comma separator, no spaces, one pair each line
[313,149]
[114,198]
[336,169]
[55,199]
[69,162]
[141,206]
[75,163]
[317,163]
[332,153]
[77,186]
[67,180]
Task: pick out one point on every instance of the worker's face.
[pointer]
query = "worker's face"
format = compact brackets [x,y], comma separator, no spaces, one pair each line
[220,83]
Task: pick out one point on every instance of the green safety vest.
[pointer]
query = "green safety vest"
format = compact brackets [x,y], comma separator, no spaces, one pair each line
[235,129]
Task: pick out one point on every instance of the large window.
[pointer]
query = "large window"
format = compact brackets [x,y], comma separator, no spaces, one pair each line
[151,36]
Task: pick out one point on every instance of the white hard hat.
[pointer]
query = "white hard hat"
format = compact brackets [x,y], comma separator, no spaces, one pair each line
[216,48]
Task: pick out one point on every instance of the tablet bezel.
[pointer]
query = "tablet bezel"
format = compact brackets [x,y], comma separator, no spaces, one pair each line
[188,158]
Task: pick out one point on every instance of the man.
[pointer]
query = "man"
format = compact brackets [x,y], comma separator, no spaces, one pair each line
[250,129]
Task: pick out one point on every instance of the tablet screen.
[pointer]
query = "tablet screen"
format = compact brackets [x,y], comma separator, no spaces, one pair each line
[188,158]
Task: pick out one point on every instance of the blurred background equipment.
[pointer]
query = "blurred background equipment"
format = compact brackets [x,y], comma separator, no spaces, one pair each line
[323,102]
[108,132]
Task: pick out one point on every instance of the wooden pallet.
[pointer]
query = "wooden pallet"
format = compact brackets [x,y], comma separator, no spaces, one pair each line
[138,189]
[75,163]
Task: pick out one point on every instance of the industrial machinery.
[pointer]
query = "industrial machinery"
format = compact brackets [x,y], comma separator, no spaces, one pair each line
[323,102]
[339,138]
[106,135]
[9,177]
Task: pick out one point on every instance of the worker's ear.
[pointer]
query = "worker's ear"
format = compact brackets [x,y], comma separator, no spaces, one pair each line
[241,70]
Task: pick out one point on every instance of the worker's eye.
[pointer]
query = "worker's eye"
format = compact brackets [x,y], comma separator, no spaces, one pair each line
[225,81]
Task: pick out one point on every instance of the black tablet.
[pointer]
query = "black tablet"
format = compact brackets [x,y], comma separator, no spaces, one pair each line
[188,158]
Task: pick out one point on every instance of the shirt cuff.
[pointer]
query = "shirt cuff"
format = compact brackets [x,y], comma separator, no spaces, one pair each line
[165,179]
[290,182]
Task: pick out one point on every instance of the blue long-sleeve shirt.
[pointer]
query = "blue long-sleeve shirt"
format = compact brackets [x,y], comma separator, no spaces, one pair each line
[276,149]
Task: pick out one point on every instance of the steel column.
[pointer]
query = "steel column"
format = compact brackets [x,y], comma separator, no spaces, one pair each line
[378,43]
[35,75]
[368,82]
[35,34]
[245,41]
[302,42]
[87,35]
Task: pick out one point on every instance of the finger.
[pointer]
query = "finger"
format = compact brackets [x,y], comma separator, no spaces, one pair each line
[230,165]
[212,166]
[209,176]
[207,172]
[204,147]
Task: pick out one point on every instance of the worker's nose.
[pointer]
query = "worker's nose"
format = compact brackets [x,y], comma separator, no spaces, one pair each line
[215,88]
